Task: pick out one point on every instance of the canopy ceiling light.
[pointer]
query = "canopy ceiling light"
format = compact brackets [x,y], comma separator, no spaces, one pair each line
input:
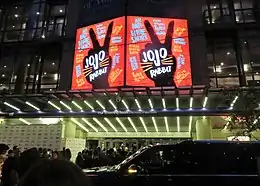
[12,106]
[80,125]
[31,105]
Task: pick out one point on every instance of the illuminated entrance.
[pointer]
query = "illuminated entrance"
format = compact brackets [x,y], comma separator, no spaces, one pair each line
[122,113]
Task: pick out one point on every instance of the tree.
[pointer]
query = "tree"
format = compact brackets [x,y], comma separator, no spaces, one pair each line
[246,116]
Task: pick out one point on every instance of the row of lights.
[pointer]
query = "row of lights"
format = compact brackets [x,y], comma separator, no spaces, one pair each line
[118,120]
[37,13]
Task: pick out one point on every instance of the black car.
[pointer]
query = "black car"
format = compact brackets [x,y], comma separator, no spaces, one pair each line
[190,162]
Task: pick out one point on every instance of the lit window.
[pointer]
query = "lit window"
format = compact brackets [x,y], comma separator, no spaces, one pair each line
[56,77]
[246,67]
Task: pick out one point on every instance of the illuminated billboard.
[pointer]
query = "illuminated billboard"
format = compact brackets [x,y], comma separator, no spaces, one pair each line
[148,52]
[99,56]
[157,52]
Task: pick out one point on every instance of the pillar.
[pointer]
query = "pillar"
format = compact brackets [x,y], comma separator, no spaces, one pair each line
[204,129]
[78,133]
[70,130]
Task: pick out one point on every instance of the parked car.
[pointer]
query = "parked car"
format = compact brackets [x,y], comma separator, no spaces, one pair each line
[189,162]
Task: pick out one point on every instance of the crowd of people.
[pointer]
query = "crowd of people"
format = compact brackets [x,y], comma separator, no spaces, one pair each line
[39,166]
[102,157]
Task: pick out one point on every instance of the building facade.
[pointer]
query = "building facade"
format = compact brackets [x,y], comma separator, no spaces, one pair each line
[38,42]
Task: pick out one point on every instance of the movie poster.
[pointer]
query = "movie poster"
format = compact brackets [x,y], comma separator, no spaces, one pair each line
[99,56]
[157,52]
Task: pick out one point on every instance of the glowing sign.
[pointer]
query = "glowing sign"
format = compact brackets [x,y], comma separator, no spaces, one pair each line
[157,52]
[99,55]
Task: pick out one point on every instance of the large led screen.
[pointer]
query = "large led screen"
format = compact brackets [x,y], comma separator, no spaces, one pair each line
[157,52]
[99,56]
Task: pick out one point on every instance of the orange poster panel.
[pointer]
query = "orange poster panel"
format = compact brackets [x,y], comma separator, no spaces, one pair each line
[157,52]
[99,56]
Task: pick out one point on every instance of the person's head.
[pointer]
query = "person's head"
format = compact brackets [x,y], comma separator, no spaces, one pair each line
[55,155]
[3,151]
[27,159]
[68,154]
[54,173]
[11,153]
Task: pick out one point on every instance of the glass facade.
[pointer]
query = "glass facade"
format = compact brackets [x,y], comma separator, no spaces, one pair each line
[32,36]
[232,42]
[30,45]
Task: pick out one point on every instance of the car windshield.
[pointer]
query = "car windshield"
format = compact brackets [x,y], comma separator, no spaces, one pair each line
[130,158]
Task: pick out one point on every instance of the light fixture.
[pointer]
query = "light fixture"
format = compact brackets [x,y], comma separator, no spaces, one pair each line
[126,106]
[55,106]
[3,75]
[246,67]
[178,124]
[56,77]
[164,104]
[12,106]
[13,26]
[28,65]
[50,121]
[33,106]
[43,36]
[16,15]
[190,123]
[37,13]
[166,124]
[222,64]
[230,74]
[113,105]
[24,121]
[50,89]
[256,73]
[100,124]
[90,125]
[110,124]
[65,105]
[121,124]
[90,106]
[191,102]
[45,73]
[53,64]
[150,103]
[79,124]
[143,123]
[138,104]
[205,102]
[228,53]
[132,123]
[101,105]
[233,102]
[177,103]
[5,66]
[61,10]
[155,124]
[77,105]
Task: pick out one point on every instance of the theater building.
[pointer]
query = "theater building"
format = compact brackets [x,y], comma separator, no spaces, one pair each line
[93,73]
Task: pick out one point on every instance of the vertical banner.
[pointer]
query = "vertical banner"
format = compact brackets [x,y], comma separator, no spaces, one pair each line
[99,56]
[157,52]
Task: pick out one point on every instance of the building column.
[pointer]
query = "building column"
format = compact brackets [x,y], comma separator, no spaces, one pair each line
[204,129]
[70,130]
[78,133]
